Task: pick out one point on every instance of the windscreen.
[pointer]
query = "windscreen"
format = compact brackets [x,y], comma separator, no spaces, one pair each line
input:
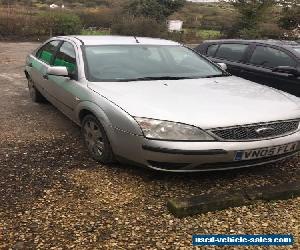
[145,62]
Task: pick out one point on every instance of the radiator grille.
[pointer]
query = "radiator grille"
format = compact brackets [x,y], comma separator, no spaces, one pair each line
[256,131]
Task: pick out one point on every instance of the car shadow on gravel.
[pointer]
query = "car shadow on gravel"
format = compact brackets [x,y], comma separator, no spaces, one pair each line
[186,184]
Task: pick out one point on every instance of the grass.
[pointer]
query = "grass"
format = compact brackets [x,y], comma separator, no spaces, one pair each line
[208,34]
[95,32]
[204,34]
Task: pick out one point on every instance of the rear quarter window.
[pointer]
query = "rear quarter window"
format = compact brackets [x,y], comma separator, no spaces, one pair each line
[270,57]
[46,53]
[232,52]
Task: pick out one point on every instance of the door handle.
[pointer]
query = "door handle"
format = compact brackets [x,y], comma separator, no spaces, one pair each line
[45,77]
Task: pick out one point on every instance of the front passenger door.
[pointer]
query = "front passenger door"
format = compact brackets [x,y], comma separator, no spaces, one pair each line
[233,54]
[65,89]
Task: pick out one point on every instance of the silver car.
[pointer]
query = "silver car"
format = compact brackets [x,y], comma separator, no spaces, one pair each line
[158,104]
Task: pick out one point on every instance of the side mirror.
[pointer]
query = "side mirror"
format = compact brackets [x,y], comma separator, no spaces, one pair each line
[223,66]
[287,70]
[58,71]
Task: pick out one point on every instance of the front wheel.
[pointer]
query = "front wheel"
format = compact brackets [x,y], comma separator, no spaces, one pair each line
[35,95]
[96,140]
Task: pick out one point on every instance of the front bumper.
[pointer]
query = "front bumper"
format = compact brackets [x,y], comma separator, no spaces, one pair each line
[173,156]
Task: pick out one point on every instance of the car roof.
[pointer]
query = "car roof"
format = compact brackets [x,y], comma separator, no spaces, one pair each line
[270,42]
[119,40]
[288,45]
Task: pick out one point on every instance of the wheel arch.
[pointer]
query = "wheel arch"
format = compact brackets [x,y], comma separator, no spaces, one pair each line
[112,118]
[109,115]
[89,108]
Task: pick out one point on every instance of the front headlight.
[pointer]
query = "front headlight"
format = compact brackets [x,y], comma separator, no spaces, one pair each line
[163,130]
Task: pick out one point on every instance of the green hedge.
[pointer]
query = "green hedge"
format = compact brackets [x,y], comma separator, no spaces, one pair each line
[55,23]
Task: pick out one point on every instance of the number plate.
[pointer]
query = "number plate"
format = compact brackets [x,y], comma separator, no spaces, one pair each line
[265,152]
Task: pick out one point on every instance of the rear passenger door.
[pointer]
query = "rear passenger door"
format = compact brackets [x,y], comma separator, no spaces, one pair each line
[261,63]
[233,54]
[43,59]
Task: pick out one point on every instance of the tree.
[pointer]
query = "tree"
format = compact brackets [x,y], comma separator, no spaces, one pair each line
[251,14]
[155,9]
[102,17]
[290,15]
[138,26]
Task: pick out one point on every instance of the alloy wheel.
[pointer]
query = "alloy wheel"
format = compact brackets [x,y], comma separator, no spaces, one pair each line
[94,138]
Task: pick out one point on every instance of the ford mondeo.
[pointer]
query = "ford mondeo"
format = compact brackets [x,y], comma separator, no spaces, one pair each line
[159,104]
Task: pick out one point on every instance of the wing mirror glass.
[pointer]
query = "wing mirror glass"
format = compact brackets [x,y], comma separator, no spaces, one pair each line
[223,66]
[287,70]
[58,71]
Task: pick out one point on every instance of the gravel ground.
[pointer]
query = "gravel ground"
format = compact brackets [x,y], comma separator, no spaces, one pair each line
[53,196]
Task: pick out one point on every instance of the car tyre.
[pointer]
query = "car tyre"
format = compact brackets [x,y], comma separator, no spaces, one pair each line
[96,140]
[35,95]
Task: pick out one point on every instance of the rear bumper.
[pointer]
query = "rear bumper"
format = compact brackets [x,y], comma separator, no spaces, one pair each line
[172,156]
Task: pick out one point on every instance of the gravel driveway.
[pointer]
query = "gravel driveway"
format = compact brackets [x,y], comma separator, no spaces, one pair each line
[53,196]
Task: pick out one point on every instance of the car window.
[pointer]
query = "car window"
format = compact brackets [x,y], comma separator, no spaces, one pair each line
[154,54]
[178,55]
[211,50]
[270,58]
[66,56]
[46,53]
[127,62]
[232,52]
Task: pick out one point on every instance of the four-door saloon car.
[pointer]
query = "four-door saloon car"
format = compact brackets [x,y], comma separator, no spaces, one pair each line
[273,63]
[158,104]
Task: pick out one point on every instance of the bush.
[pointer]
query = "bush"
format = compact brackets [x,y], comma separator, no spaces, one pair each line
[156,9]
[177,36]
[270,31]
[101,18]
[55,23]
[139,26]
[15,22]
[190,36]
[147,27]
[95,32]
[11,25]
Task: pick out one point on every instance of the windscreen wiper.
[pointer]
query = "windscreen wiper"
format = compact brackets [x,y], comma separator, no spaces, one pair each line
[153,78]
[213,76]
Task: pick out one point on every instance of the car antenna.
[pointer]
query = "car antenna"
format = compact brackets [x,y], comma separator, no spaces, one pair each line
[137,41]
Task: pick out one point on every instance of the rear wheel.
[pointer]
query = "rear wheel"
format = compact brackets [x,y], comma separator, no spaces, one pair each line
[35,95]
[96,140]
